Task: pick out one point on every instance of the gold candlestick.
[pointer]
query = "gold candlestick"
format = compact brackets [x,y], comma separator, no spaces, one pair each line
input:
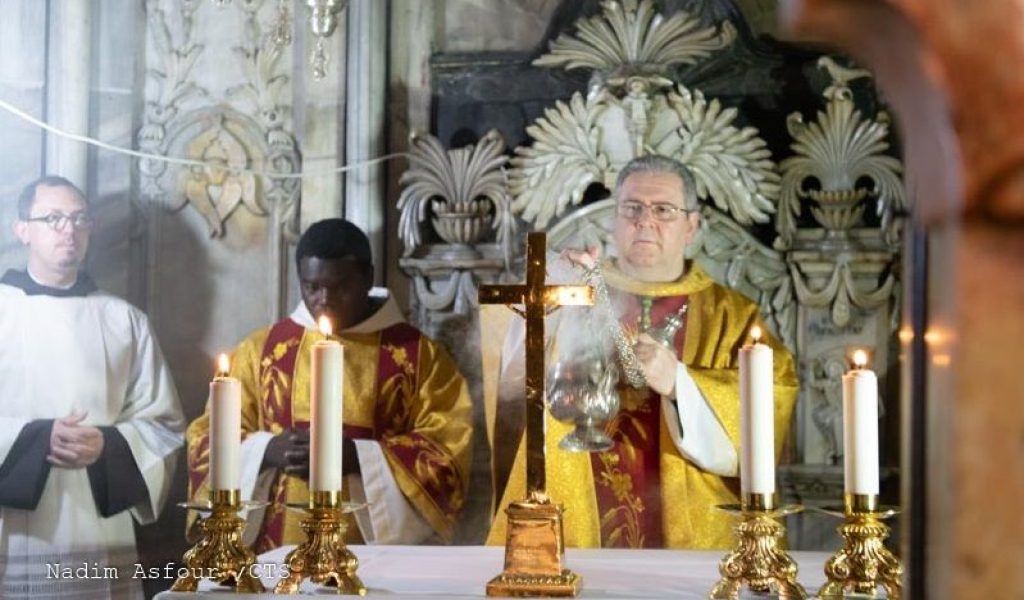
[864,563]
[220,555]
[534,544]
[759,561]
[323,558]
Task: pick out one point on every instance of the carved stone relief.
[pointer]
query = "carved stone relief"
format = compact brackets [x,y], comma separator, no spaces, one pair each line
[231,143]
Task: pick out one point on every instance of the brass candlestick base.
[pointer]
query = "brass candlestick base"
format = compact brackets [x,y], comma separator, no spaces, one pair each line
[864,563]
[323,558]
[759,561]
[535,553]
[220,555]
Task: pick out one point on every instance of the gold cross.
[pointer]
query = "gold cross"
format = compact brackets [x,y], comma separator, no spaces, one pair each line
[538,300]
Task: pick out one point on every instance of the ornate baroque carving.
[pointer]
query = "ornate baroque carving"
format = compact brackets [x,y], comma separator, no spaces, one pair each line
[837,151]
[579,143]
[216,191]
[222,137]
[842,290]
[634,35]
[460,188]
[175,57]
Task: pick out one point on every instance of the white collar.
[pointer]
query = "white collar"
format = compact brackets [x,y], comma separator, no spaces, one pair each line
[385,316]
[56,287]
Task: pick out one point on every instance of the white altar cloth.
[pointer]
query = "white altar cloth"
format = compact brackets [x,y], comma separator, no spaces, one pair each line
[430,572]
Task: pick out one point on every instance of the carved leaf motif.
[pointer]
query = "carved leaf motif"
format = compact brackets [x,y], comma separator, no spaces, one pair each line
[733,166]
[837,149]
[458,178]
[638,36]
[564,159]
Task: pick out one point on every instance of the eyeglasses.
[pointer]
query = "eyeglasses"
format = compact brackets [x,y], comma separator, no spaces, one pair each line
[632,211]
[80,221]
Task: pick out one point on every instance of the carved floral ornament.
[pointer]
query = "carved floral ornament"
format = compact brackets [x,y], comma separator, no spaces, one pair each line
[631,34]
[176,123]
[464,190]
[838,150]
[217,190]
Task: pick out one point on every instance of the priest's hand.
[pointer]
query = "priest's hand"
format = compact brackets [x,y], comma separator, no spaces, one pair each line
[585,258]
[73,445]
[658,364]
[289,452]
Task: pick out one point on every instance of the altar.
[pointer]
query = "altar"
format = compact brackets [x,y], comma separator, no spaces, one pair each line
[401,572]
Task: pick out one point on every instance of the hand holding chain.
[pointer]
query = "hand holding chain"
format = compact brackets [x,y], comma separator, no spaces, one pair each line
[628,361]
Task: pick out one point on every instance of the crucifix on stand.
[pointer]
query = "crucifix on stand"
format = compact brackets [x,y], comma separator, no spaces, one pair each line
[534,546]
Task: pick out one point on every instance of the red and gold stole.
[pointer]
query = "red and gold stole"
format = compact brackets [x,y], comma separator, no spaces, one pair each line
[627,477]
[277,365]
[424,469]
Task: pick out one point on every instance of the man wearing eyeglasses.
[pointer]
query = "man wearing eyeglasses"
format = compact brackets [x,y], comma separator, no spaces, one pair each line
[675,440]
[89,418]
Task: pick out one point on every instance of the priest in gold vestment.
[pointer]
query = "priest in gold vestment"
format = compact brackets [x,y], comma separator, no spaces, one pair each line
[407,428]
[675,442]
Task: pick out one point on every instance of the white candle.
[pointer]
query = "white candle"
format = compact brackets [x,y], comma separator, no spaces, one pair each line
[860,427]
[757,418]
[325,393]
[225,428]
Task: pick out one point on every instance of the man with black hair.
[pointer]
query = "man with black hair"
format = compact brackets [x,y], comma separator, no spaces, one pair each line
[407,428]
[90,422]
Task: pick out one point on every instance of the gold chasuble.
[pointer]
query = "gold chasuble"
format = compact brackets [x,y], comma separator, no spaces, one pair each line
[401,389]
[642,493]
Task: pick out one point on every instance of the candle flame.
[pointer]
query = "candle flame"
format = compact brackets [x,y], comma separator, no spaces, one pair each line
[755,333]
[860,359]
[325,325]
[223,365]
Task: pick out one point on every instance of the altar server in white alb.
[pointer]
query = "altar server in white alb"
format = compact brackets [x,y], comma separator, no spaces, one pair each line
[89,418]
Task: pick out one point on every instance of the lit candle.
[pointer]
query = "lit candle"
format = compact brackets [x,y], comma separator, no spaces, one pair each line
[225,428]
[757,417]
[328,358]
[860,427]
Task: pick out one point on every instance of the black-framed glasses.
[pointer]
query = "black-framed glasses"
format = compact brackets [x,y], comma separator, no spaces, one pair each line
[661,211]
[59,221]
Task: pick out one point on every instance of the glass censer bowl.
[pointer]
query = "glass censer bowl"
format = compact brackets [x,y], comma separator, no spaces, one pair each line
[581,390]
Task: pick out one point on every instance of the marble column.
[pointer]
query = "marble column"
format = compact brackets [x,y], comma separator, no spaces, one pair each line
[365,110]
[69,71]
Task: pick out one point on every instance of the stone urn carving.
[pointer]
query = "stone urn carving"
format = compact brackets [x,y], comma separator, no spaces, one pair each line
[839,151]
[461,223]
[838,210]
[463,190]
